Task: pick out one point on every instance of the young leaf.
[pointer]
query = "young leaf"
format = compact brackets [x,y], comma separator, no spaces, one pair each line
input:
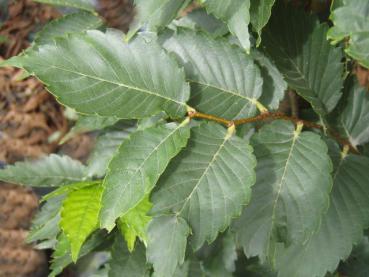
[134,223]
[125,263]
[236,14]
[78,4]
[351,20]
[69,24]
[224,80]
[97,73]
[311,66]
[342,226]
[260,11]
[167,239]
[208,183]
[291,192]
[107,144]
[79,216]
[50,171]
[135,169]
[152,14]
[355,117]
[274,85]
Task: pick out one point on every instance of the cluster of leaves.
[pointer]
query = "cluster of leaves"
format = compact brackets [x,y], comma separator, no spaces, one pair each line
[170,195]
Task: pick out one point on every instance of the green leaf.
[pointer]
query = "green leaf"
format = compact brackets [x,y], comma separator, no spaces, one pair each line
[152,14]
[78,4]
[357,264]
[200,20]
[69,24]
[61,257]
[291,192]
[124,263]
[224,80]
[167,239]
[208,183]
[351,20]
[45,225]
[311,66]
[79,216]
[355,117]
[236,14]
[97,73]
[135,169]
[134,223]
[107,144]
[50,171]
[260,11]
[274,85]
[88,123]
[341,227]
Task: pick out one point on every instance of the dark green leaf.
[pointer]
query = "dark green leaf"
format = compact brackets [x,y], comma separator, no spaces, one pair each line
[260,11]
[50,171]
[136,167]
[291,192]
[208,183]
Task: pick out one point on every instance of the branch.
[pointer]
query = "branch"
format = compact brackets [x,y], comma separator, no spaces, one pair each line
[273,116]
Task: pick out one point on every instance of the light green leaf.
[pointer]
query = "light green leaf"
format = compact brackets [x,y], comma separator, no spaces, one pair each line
[355,117]
[341,227]
[311,66]
[237,16]
[45,225]
[208,183]
[291,192]
[69,188]
[167,239]
[351,20]
[274,85]
[124,263]
[260,11]
[79,216]
[200,20]
[138,164]
[152,14]
[107,144]
[134,223]
[69,24]
[87,5]
[50,171]
[224,80]
[97,73]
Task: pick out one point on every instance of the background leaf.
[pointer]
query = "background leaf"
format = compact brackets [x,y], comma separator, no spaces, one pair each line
[152,14]
[167,239]
[224,80]
[311,66]
[291,192]
[260,11]
[341,227]
[135,169]
[355,116]
[237,16]
[69,24]
[50,171]
[79,216]
[97,73]
[208,182]
[78,4]
[351,20]
[124,263]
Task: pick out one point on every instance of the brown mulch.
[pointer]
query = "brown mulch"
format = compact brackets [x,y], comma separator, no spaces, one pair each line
[362,75]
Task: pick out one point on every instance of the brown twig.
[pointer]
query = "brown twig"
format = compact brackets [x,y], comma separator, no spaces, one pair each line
[273,116]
